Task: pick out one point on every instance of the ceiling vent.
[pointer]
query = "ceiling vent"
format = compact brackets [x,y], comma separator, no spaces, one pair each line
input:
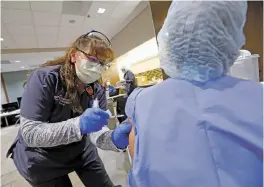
[78,8]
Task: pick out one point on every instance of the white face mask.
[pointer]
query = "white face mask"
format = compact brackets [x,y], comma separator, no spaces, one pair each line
[88,72]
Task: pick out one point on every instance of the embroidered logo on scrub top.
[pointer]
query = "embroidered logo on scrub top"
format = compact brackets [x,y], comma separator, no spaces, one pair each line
[60,99]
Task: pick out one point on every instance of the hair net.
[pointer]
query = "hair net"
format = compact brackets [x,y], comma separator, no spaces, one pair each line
[200,40]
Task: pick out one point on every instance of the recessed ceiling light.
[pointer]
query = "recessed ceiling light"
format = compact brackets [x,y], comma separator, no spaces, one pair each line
[17,61]
[22,67]
[1,39]
[72,21]
[101,10]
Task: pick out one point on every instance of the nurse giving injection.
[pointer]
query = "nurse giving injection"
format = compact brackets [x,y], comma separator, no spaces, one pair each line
[60,129]
[206,130]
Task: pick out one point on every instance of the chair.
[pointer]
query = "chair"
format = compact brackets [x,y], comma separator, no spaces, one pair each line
[19,101]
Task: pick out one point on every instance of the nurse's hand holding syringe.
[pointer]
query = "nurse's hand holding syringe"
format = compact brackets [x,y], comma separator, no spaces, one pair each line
[94,119]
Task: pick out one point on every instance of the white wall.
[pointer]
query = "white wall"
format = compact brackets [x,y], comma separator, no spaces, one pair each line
[138,31]
[14,84]
[146,65]
[140,59]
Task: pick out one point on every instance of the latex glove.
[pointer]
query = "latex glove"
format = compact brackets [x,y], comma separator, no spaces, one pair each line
[93,120]
[120,135]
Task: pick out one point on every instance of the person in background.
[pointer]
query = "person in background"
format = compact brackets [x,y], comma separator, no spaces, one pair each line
[59,130]
[110,88]
[130,80]
[206,130]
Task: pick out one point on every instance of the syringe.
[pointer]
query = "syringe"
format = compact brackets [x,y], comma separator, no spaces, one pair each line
[96,105]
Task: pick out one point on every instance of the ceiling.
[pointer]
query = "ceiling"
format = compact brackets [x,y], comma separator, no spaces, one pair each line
[46,24]
[26,61]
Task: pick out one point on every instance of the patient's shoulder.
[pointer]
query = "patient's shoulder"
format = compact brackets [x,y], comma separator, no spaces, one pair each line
[131,101]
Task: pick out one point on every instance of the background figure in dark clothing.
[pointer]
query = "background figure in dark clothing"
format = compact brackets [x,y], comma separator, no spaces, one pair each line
[130,80]
[120,108]
[59,130]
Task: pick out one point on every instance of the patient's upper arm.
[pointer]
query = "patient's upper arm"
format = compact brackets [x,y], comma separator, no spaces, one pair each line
[130,110]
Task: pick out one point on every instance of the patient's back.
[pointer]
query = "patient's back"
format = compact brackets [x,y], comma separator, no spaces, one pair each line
[193,135]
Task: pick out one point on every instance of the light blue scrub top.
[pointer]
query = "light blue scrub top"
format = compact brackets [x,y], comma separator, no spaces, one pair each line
[191,135]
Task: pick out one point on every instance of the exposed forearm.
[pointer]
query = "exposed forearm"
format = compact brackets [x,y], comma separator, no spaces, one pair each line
[131,142]
[103,139]
[41,134]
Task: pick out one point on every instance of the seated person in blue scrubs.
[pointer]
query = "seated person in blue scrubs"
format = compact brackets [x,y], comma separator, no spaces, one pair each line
[110,88]
[59,130]
[200,127]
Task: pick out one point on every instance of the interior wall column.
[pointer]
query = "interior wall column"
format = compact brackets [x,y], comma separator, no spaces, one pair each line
[159,11]
[4,88]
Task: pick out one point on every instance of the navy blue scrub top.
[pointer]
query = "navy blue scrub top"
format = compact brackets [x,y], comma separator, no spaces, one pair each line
[42,101]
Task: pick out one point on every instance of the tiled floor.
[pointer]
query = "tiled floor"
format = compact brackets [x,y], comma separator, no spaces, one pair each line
[11,178]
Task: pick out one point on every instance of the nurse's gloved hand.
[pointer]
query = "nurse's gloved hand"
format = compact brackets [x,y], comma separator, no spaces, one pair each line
[93,120]
[120,135]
